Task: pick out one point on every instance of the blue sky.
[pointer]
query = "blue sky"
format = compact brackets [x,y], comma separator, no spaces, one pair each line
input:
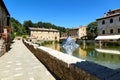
[65,13]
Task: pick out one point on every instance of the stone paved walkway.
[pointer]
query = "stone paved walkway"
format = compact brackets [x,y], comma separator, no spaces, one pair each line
[20,64]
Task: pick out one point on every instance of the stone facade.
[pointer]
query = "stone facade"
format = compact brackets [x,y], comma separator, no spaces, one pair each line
[82,32]
[4,16]
[5,29]
[76,33]
[43,34]
[109,24]
[64,35]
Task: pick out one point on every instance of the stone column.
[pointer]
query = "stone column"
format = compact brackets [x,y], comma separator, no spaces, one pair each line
[100,44]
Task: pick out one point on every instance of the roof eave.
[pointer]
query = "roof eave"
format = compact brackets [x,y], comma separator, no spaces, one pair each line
[107,17]
[5,8]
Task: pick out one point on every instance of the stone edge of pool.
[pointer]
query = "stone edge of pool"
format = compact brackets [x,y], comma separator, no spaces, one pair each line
[67,67]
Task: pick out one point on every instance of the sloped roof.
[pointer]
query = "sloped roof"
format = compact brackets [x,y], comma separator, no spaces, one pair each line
[43,29]
[2,4]
[111,13]
[118,14]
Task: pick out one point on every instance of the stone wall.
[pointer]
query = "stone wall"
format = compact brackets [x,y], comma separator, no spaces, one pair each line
[3,16]
[67,67]
[108,26]
[3,47]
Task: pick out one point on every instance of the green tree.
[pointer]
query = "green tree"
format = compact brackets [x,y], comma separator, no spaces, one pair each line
[92,30]
[41,24]
[28,24]
[17,27]
[47,25]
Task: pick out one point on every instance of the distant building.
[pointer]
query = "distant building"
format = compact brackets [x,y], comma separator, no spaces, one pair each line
[76,33]
[64,35]
[43,34]
[109,26]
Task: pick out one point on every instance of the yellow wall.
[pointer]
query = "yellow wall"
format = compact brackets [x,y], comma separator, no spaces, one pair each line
[45,35]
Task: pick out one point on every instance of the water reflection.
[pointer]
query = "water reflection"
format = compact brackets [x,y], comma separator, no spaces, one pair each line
[82,53]
[109,57]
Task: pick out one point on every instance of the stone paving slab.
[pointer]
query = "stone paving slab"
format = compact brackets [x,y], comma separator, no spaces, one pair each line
[20,64]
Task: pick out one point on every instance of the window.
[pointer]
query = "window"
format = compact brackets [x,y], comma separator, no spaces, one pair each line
[111,31]
[119,19]
[111,20]
[103,22]
[103,32]
[118,30]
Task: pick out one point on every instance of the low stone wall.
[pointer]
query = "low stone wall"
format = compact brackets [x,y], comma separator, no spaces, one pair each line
[3,48]
[67,67]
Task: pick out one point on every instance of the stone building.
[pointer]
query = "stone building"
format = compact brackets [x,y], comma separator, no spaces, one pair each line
[64,35]
[109,26]
[76,33]
[4,16]
[44,34]
[5,29]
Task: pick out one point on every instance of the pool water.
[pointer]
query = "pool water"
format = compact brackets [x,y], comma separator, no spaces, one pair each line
[106,56]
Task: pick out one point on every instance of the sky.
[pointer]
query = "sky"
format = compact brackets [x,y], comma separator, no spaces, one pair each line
[64,13]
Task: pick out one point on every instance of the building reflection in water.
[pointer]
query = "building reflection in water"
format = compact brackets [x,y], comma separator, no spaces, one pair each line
[82,53]
[54,45]
[106,57]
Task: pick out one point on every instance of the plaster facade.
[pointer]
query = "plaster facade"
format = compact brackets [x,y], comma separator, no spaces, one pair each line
[109,24]
[43,34]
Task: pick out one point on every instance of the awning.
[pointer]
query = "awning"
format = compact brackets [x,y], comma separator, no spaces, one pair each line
[108,37]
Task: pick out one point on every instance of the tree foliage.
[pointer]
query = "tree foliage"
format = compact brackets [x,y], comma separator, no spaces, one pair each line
[92,30]
[17,27]
[41,24]
[20,29]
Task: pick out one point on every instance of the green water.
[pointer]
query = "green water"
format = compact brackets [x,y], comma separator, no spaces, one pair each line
[106,56]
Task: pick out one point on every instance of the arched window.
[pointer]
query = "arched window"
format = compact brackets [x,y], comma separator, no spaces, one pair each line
[111,20]
[103,22]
